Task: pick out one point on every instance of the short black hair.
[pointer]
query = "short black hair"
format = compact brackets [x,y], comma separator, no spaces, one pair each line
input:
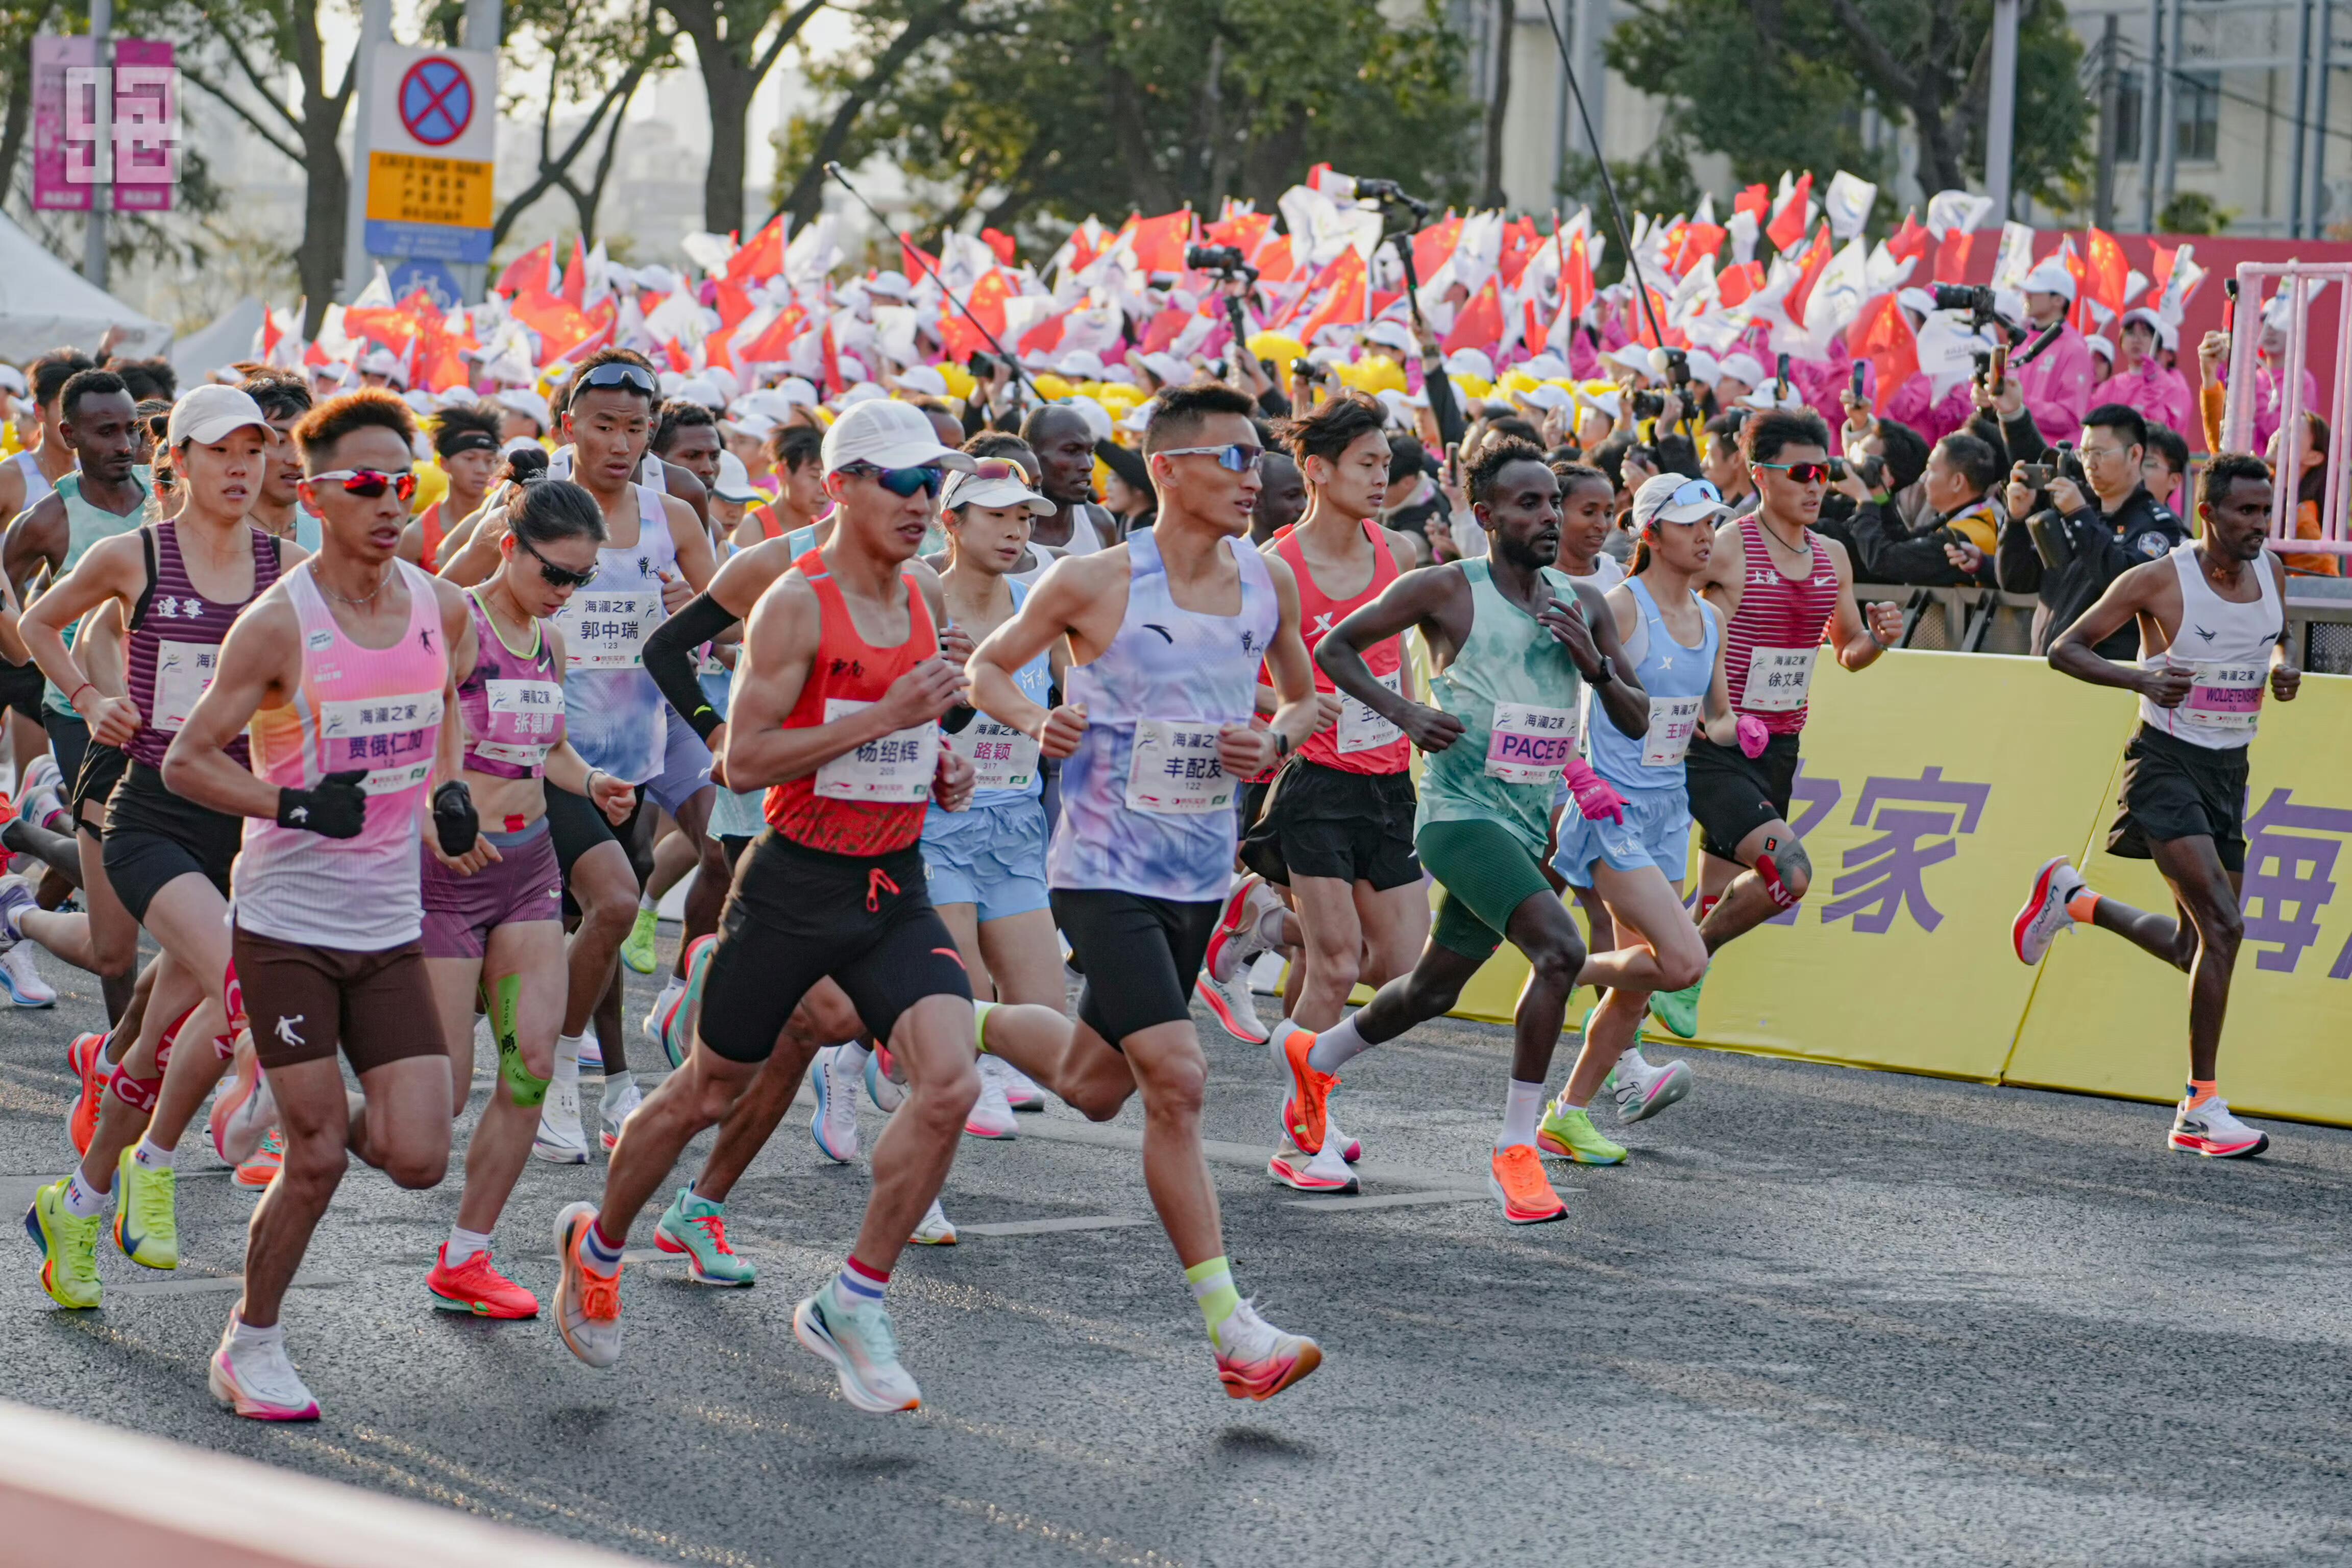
[2226,469]
[1678,454]
[466,427]
[679,414]
[791,448]
[1176,417]
[1510,427]
[1329,430]
[88,384]
[1725,427]
[2165,442]
[1906,453]
[1406,457]
[557,509]
[1771,431]
[1571,474]
[148,377]
[2120,417]
[280,393]
[47,376]
[366,409]
[997,444]
[1494,457]
[1973,458]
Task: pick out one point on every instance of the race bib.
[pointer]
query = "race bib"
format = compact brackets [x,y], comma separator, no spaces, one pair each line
[1778,678]
[1529,744]
[2226,698]
[183,671]
[1360,729]
[1175,772]
[606,630]
[391,737]
[896,769]
[1002,757]
[528,707]
[1672,721]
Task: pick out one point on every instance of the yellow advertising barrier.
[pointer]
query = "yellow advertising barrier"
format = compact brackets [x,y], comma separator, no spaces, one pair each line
[1933,787]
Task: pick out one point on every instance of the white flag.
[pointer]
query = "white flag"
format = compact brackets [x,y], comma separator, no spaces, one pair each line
[1955,212]
[2016,257]
[1848,204]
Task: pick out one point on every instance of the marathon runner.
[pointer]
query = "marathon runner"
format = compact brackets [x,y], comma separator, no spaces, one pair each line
[1167,633]
[2184,781]
[180,584]
[1515,643]
[1779,587]
[493,919]
[342,671]
[278,508]
[466,443]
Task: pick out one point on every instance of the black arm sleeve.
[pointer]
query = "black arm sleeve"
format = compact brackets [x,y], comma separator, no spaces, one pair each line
[1127,464]
[669,659]
[2023,439]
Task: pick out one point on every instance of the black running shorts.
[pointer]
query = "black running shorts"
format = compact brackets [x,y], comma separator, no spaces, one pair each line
[102,767]
[796,916]
[1139,955]
[2173,789]
[1733,794]
[153,837]
[21,686]
[1327,822]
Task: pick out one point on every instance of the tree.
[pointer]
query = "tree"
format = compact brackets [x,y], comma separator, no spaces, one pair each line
[1498,103]
[596,58]
[1781,84]
[735,47]
[1039,112]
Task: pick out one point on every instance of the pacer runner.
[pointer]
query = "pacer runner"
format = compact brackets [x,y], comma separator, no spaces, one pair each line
[2212,635]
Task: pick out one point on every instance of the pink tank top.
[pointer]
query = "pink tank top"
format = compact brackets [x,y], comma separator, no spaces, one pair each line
[1775,638]
[513,703]
[378,709]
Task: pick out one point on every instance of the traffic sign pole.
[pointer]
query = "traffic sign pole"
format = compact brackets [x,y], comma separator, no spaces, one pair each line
[375,29]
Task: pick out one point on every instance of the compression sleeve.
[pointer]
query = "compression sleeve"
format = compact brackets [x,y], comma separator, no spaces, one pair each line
[669,658]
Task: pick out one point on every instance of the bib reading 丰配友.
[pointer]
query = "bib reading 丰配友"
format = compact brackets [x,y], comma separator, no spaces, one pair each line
[892,769]
[1528,744]
[1778,678]
[1175,770]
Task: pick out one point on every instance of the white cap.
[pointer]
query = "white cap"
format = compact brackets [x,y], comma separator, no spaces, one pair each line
[891,283]
[1544,396]
[1400,408]
[669,381]
[1631,356]
[734,480]
[702,390]
[1607,402]
[1390,333]
[1742,367]
[2049,277]
[2166,335]
[796,389]
[1764,396]
[748,422]
[729,384]
[1166,369]
[1703,366]
[417,398]
[1120,375]
[459,397]
[524,400]
[861,391]
[205,415]
[1098,417]
[519,444]
[13,380]
[2101,346]
[1676,498]
[384,363]
[924,379]
[1470,362]
[1547,366]
[887,434]
[1003,490]
[1081,364]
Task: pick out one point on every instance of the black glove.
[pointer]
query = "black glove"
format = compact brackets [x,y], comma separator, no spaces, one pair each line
[454,818]
[336,808]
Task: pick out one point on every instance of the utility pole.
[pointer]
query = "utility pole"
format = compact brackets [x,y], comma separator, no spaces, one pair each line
[2103,204]
[2168,112]
[2147,116]
[101,195]
[2001,127]
[485,30]
[2294,194]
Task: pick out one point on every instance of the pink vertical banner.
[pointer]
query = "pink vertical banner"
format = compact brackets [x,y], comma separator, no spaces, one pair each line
[53,57]
[146,125]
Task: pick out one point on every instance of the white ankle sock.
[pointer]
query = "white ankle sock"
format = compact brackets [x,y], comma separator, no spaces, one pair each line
[1520,1114]
[1631,1056]
[152,1155]
[853,1054]
[245,1336]
[82,1200]
[567,1054]
[464,1244]
[619,1082]
[647,901]
[1337,1046]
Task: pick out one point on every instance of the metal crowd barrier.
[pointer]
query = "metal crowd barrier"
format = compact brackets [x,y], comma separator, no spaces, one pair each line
[2299,283]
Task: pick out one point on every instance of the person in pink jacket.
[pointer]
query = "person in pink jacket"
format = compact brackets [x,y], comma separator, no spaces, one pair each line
[2143,382]
[2270,372]
[2057,384]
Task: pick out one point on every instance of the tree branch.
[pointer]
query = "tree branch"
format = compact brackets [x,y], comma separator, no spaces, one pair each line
[293,154]
[1898,81]
[786,31]
[801,200]
[244,68]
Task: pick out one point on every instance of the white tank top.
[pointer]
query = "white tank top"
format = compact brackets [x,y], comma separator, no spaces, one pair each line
[2228,646]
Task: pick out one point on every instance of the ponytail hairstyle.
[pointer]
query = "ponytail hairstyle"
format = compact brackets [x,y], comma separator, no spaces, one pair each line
[556,509]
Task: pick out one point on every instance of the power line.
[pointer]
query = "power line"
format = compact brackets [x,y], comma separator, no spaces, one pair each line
[2198,80]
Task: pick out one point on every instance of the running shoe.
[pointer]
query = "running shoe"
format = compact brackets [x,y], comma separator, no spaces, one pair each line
[476,1285]
[560,1140]
[616,1107]
[1678,1010]
[1236,940]
[257,1381]
[87,1057]
[2045,914]
[587,1304]
[834,1125]
[991,1114]
[2210,1130]
[244,1108]
[1257,1361]
[591,1054]
[1021,1092]
[1641,1090]
[68,1249]
[1327,1171]
[677,1028]
[1517,1179]
[1266,974]
[698,1228]
[42,777]
[1351,1150]
[262,1167]
[934,1229]
[863,1348]
[23,979]
[1231,1001]
[1310,1092]
[637,952]
[883,1091]
[146,1211]
[1567,1130]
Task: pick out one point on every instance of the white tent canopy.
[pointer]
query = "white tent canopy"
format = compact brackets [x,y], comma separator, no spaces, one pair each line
[228,339]
[45,304]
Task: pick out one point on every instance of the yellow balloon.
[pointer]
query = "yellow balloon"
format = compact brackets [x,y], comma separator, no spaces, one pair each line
[432,484]
[1476,386]
[1279,347]
[1517,381]
[1378,373]
[960,381]
[1052,387]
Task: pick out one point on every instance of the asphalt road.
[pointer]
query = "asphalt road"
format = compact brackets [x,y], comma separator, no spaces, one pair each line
[1823,1316]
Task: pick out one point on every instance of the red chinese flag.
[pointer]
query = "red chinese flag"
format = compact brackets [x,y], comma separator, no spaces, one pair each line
[1246,232]
[1952,257]
[1756,201]
[773,345]
[1576,279]
[1434,246]
[1883,335]
[762,257]
[532,272]
[962,339]
[1697,242]
[914,261]
[731,303]
[575,276]
[392,327]
[2105,273]
[2159,268]
[1346,304]
[1788,225]
[1480,324]
[999,241]
[680,360]
[833,386]
[1809,266]
[1735,284]
[1158,242]
[1519,242]
[1163,329]
[1046,337]
[1912,239]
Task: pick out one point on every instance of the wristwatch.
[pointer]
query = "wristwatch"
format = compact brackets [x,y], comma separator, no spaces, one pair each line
[1281,744]
[1606,675]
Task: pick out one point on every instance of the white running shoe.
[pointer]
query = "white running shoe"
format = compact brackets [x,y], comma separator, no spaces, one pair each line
[1327,1171]
[23,979]
[2210,1130]
[656,1020]
[1237,939]
[560,1140]
[617,1108]
[587,1304]
[886,1094]
[2045,914]
[244,1110]
[1231,1001]
[935,1229]
[1266,974]
[862,1347]
[991,1114]
[1021,1092]
[257,1381]
[1641,1090]
[1257,1361]
[834,1125]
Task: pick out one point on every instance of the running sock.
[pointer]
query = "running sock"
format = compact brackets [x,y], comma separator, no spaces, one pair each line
[647,901]
[858,1286]
[620,1082]
[1213,1287]
[80,1200]
[1338,1046]
[464,1244]
[2083,906]
[853,1054]
[245,1336]
[567,1054]
[1520,1113]
[1631,1056]
[2201,1090]
[1269,926]
[152,1155]
[599,1253]
[979,1012]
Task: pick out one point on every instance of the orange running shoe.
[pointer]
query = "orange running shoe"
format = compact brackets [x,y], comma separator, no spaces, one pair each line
[476,1285]
[1518,1181]
[261,1167]
[87,1057]
[1310,1092]
[587,1304]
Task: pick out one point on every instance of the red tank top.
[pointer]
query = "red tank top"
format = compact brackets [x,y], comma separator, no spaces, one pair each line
[1779,619]
[430,520]
[768,527]
[1361,742]
[870,801]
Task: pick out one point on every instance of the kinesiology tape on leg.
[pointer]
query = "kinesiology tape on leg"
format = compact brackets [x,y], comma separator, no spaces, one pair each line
[1769,875]
[233,999]
[170,1037]
[528,1088]
[138,1093]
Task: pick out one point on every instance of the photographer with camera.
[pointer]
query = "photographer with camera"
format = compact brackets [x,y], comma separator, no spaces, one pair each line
[2088,519]
[1954,544]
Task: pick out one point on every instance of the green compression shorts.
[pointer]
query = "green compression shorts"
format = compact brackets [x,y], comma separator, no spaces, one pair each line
[1485,873]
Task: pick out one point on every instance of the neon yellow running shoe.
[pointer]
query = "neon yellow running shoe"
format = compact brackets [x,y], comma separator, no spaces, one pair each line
[1566,1131]
[146,1214]
[637,952]
[68,1249]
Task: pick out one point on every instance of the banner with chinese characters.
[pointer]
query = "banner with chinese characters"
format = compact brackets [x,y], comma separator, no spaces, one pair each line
[1934,787]
[139,153]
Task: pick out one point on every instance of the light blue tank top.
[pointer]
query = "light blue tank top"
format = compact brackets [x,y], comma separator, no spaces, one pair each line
[1007,752]
[612,713]
[1676,678]
[1146,808]
[86,524]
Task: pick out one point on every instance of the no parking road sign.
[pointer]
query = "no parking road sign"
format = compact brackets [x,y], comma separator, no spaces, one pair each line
[432,147]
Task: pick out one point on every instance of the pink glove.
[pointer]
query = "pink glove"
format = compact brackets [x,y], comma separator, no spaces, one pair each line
[1595,801]
[1752,735]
